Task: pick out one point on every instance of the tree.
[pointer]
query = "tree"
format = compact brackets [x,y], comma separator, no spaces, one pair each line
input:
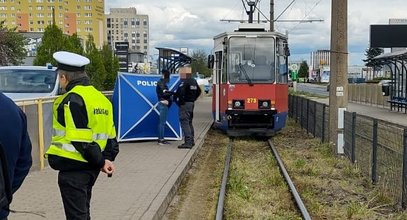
[111,64]
[199,63]
[74,44]
[304,70]
[95,70]
[12,49]
[52,41]
[370,53]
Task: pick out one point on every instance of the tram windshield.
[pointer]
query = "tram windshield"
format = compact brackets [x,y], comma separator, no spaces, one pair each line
[251,60]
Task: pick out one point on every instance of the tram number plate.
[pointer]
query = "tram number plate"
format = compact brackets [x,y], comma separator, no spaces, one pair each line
[251,100]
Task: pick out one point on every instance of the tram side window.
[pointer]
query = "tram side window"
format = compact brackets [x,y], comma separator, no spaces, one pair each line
[282,70]
[223,67]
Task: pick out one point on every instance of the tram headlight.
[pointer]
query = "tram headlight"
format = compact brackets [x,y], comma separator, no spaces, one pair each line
[264,104]
[238,104]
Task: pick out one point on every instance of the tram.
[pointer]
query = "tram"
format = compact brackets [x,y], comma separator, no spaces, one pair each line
[250,81]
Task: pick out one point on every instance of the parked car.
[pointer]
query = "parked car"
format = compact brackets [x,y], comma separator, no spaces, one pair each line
[25,82]
[384,82]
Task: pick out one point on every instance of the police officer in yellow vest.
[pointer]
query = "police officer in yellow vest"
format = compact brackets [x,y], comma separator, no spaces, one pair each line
[84,138]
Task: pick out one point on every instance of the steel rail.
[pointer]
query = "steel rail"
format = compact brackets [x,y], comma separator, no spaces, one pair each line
[290,183]
[222,193]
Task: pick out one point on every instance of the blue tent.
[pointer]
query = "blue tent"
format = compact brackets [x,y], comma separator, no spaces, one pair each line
[135,114]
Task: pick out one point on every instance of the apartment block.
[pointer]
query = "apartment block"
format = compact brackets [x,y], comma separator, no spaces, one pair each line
[125,25]
[83,17]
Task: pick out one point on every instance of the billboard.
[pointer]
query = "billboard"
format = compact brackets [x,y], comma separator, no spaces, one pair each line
[388,36]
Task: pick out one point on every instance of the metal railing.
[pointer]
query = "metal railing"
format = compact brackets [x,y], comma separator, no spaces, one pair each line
[377,147]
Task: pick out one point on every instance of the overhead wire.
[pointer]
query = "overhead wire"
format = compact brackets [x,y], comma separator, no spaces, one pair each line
[306,15]
[284,10]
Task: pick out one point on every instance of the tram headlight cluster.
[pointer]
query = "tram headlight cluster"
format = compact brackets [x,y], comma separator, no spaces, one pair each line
[266,104]
[236,104]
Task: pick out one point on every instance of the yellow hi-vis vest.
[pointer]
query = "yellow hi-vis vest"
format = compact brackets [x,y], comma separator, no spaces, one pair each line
[100,124]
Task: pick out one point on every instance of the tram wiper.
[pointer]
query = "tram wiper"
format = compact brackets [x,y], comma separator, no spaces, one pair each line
[245,74]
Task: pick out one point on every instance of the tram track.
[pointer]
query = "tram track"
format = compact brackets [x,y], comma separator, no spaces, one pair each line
[222,193]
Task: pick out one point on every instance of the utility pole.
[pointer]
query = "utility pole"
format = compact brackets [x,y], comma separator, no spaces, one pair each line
[53,16]
[271,15]
[338,92]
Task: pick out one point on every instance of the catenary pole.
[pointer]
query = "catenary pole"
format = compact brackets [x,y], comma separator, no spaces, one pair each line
[338,92]
[271,15]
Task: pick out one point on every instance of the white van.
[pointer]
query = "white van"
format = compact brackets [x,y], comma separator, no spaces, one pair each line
[28,82]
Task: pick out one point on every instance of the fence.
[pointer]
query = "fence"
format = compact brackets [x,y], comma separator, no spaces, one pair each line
[39,126]
[367,93]
[378,147]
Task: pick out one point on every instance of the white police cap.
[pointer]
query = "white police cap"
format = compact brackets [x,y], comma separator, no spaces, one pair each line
[70,61]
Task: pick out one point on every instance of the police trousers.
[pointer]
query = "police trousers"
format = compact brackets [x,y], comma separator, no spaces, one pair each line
[76,192]
[186,114]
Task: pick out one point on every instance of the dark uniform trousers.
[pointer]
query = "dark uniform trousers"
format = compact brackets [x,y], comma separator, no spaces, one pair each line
[76,192]
[186,114]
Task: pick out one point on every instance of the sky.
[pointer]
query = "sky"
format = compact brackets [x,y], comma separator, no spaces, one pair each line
[192,24]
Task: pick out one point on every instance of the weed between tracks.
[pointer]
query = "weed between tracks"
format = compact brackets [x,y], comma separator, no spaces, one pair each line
[330,186]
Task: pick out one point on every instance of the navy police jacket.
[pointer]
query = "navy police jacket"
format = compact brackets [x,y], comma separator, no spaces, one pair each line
[16,146]
[188,91]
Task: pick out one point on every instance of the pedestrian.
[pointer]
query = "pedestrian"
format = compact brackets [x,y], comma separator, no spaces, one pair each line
[84,137]
[15,152]
[187,93]
[164,96]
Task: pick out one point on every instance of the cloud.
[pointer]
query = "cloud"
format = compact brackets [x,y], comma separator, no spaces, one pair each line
[194,23]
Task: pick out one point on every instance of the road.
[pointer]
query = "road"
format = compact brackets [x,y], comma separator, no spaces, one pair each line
[312,88]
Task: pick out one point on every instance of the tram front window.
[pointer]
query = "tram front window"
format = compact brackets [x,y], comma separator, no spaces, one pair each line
[251,60]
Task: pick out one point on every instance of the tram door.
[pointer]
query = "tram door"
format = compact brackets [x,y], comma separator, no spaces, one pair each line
[218,80]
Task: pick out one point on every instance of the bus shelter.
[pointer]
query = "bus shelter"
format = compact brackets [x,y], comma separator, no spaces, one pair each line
[172,59]
[397,88]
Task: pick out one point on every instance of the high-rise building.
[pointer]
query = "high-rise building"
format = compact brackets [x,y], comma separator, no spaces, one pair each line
[125,25]
[83,17]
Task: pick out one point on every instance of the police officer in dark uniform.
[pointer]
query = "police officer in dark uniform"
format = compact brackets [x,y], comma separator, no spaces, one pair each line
[15,152]
[186,94]
[84,138]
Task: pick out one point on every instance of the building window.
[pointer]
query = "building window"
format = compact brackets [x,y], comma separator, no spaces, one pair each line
[137,21]
[145,22]
[87,7]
